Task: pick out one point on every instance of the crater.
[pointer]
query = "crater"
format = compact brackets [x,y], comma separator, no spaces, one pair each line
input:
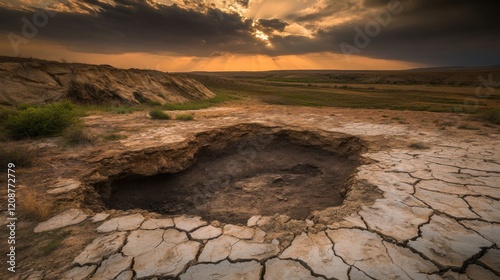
[235,173]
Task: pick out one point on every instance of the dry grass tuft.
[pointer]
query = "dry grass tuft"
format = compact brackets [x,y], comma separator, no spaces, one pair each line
[158,114]
[468,126]
[77,135]
[185,117]
[419,146]
[16,154]
[32,205]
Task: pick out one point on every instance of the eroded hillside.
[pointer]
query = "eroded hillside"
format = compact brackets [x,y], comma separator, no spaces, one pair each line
[37,81]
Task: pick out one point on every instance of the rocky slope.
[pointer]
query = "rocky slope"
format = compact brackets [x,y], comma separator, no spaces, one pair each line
[36,81]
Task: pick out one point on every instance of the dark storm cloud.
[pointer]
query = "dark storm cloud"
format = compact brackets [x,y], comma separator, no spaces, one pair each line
[243,3]
[443,32]
[143,26]
[272,24]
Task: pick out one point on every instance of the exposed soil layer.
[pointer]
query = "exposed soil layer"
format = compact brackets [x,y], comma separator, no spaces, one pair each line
[232,180]
[38,81]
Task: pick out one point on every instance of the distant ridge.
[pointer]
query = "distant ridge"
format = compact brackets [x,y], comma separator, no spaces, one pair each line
[452,68]
[444,76]
[437,68]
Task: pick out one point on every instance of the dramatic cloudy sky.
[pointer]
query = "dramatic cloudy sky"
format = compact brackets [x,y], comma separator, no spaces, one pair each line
[182,35]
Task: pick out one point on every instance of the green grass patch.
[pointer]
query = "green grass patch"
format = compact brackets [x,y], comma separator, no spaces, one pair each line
[24,106]
[43,121]
[296,80]
[113,137]
[158,114]
[184,117]
[286,91]
[96,108]
[221,96]
[54,242]
[198,105]
[121,110]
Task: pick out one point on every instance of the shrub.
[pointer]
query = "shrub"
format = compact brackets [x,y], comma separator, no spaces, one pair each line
[77,135]
[44,121]
[419,146]
[492,115]
[122,110]
[24,106]
[6,113]
[185,117]
[221,97]
[113,137]
[55,242]
[18,155]
[159,115]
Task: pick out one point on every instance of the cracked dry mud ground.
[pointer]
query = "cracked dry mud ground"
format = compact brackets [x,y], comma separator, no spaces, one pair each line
[434,213]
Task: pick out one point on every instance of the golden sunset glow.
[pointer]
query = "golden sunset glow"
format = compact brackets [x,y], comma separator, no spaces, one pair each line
[171,63]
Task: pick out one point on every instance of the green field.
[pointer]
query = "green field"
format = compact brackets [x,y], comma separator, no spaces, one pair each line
[305,91]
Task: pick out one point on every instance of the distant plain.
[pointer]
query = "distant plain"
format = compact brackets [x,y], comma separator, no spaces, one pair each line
[452,90]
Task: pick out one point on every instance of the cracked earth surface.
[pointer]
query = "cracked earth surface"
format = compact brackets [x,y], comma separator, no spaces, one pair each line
[438,215]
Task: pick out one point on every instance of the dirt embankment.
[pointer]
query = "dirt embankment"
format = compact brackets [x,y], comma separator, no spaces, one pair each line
[38,81]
